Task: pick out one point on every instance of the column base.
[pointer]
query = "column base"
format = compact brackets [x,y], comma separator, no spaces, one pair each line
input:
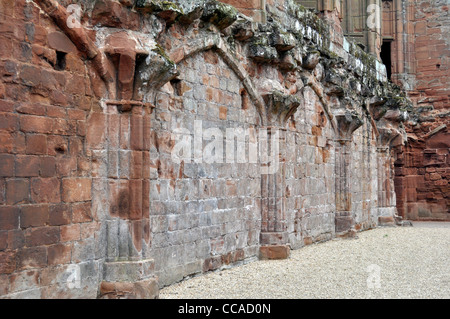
[387,216]
[129,280]
[274,238]
[144,289]
[386,221]
[274,252]
[351,233]
[128,271]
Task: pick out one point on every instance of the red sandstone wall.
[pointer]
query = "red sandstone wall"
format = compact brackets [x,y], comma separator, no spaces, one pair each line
[251,8]
[422,178]
[422,171]
[45,189]
[432,54]
[77,177]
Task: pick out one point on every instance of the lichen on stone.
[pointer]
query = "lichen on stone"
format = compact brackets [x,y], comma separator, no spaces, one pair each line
[157,5]
[260,50]
[220,14]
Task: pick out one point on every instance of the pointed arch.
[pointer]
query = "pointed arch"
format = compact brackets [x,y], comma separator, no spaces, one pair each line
[215,42]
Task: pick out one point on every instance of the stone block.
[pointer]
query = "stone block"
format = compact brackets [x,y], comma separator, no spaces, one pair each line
[344,223]
[128,271]
[17,191]
[27,166]
[7,262]
[273,252]
[45,190]
[76,189]
[36,124]
[6,165]
[42,236]
[386,221]
[70,233]
[274,238]
[33,216]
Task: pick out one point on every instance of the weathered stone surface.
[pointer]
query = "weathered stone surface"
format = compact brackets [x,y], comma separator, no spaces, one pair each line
[220,14]
[386,221]
[274,252]
[92,193]
[145,289]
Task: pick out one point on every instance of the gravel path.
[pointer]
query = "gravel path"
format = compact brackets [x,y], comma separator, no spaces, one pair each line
[398,262]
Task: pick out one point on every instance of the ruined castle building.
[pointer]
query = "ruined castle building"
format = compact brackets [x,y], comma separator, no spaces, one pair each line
[416,44]
[142,142]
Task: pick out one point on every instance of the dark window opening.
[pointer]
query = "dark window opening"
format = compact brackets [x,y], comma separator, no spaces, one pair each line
[176,85]
[386,57]
[60,61]
[244,99]
[139,64]
[362,46]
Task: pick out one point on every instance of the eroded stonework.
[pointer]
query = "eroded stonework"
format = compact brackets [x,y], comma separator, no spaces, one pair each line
[92,200]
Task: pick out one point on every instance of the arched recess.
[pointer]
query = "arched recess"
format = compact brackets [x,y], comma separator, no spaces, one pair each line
[193,91]
[214,42]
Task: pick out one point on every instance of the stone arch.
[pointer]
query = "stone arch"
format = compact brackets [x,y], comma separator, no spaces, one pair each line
[215,43]
[318,90]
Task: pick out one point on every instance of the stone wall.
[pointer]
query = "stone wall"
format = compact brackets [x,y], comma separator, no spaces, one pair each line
[159,140]
[422,167]
[46,220]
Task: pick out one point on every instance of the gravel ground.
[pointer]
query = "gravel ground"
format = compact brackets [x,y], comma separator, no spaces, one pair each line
[397,262]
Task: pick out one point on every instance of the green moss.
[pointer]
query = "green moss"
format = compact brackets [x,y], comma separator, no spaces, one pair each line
[167,5]
[160,51]
[331,55]
[157,6]
[260,41]
[220,14]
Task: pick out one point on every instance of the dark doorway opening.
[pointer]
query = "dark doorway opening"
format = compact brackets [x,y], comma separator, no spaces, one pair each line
[386,57]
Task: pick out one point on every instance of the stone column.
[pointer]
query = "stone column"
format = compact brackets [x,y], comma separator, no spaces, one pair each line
[274,237]
[128,271]
[331,12]
[374,27]
[347,123]
[344,218]
[386,191]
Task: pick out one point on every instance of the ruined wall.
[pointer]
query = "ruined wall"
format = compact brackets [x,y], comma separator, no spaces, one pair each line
[117,175]
[205,212]
[422,167]
[46,220]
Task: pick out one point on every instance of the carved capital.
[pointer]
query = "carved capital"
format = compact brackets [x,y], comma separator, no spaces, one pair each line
[396,115]
[347,122]
[220,14]
[386,136]
[280,107]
